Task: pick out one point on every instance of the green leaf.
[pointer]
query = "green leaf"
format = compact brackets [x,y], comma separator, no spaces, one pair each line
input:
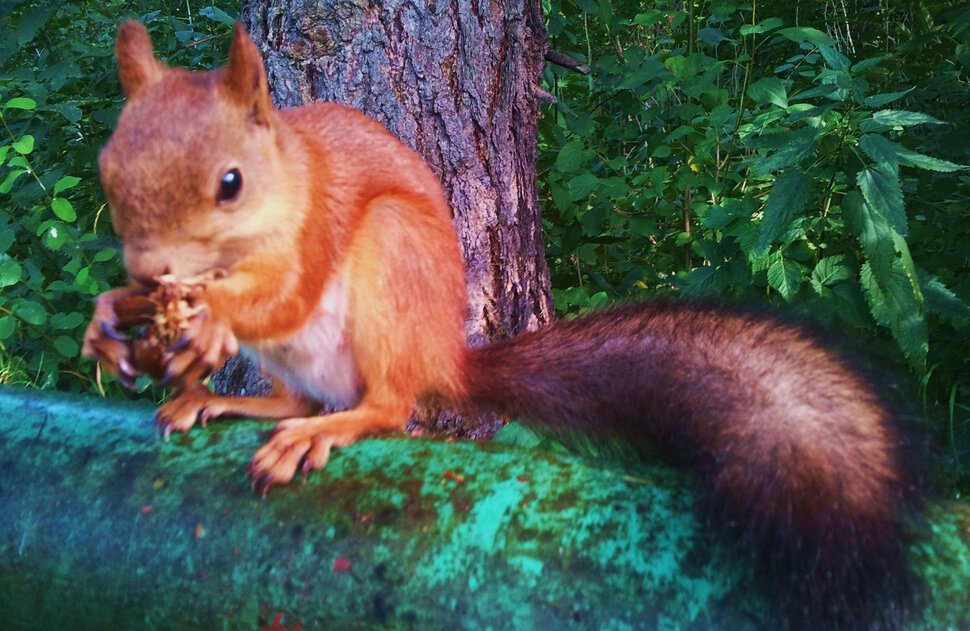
[582,186]
[921,161]
[704,281]
[712,36]
[941,301]
[571,157]
[785,276]
[66,346]
[905,260]
[648,70]
[8,324]
[65,321]
[769,90]
[799,34]
[70,111]
[8,181]
[24,145]
[878,100]
[105,255]
[829,271]
[891,119]
[63,209]
[881,189]
[787,149]
[10,273]
[833,58]
[649,17]
[218,15]
[20,103]
[894,305]
[518,435]
[872,230]
[761,27]
[66,182]
[869,62]
[880,149]
[789,194]
[31,312]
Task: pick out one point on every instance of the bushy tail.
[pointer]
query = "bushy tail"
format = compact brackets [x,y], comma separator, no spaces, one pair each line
[795,448]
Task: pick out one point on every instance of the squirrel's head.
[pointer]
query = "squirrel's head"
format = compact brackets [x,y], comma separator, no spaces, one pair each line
[193,170]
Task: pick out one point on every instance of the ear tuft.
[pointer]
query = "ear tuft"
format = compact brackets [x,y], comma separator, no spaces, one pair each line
[137,66]
[245,77]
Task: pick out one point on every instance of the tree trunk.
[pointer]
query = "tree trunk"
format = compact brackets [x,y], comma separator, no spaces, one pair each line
[454,83]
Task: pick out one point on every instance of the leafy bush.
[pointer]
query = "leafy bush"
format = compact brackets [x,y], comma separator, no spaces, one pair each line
[59,98]
[730,154]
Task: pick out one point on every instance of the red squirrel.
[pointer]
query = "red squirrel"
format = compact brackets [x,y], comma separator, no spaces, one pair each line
[335,264]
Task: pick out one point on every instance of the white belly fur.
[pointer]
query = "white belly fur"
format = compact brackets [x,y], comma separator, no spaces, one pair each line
[317,360]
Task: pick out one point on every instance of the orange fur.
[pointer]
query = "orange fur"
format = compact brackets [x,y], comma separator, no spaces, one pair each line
[336,229]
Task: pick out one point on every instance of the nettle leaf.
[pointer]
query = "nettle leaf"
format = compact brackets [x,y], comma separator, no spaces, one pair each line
[833,58]
[880,149]
[769,90]
[785,276]
[789,194]
[829,271]
[787,149]
[895,306]
[921,161]
[866,64]
[70,111]
[704,281]
[891,119]
[906,263]
[63,209]
[883,192]
[873,231]
[941,301]
[883,150]
[878,100]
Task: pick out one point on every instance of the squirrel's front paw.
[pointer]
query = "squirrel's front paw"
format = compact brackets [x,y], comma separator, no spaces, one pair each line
[194,405]
[205,344]
[104,342]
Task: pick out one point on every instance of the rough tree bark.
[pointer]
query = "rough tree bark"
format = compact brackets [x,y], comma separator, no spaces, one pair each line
[456,82]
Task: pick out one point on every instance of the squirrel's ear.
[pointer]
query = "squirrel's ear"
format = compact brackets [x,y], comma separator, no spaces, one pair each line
[137,66]
[245,78]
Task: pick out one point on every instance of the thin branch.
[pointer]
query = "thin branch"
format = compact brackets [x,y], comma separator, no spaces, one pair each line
[561,59]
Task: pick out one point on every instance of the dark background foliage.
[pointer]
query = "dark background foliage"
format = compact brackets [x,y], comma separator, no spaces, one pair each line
[807,154]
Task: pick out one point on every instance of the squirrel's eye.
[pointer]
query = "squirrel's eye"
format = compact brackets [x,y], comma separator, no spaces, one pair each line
[229,186]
